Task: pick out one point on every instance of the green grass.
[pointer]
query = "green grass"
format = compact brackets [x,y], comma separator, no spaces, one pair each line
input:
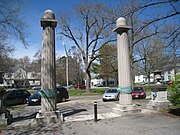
[79,92]
[147,88]
[99,91]
[2,126]
[150,88]
[31,91]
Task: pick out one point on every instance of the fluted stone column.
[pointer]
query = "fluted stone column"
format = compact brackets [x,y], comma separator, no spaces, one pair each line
[48,68]
[124,71]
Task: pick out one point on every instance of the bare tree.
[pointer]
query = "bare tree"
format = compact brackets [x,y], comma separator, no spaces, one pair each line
[146,18]
[172,40]
[11,25]
[94,31]
[152,53]
[76,66]
[107,67]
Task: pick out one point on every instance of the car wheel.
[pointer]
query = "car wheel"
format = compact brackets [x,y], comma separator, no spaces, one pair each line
[63,99]
[104,100]
[24,101]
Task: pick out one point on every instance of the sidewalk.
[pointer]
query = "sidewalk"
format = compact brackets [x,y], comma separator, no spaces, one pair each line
[79,120]
[147,123]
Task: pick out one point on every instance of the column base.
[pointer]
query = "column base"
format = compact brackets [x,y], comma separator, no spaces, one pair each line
[126,109]
[49,117]
[125,99]
[157,105]
[6,118]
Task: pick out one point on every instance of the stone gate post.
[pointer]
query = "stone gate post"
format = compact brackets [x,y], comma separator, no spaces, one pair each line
[125,105]
[48,92]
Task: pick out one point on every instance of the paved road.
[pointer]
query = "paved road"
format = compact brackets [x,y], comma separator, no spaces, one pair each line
[78,114]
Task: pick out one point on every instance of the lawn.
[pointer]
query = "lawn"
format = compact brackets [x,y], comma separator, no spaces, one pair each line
[2,127]
[97,91]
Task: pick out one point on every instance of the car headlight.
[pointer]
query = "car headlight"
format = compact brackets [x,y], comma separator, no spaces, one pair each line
[34,100]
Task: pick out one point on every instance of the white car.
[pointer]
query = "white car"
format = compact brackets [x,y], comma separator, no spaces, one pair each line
[111,94]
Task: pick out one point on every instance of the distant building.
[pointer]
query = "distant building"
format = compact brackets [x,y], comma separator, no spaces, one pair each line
[21,78]
[169,72]
[143,78]
[97,81]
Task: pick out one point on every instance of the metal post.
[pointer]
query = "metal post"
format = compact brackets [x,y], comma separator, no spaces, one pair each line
[95,111]
[67,70]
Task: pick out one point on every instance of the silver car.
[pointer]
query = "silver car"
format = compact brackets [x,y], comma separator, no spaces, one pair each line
[111,94]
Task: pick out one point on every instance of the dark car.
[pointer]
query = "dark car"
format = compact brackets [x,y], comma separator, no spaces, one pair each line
[15,97]
[36,88]
[62,95]
[138,92]
[77,86]
[98,85]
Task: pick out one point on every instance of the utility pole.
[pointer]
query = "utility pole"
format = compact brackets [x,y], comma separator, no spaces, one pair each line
[67,71]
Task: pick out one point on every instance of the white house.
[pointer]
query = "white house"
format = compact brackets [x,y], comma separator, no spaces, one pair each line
[96,80]
[143,78]
[169,72]
[20,77]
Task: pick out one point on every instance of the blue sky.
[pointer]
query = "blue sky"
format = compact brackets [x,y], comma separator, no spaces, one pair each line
[32,13]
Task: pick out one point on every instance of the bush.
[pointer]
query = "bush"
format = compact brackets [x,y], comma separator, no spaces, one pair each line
[175,92]
[148,89]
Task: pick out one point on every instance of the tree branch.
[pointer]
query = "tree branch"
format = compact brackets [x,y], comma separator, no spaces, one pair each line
[156,20]
[145,37]
[145,6]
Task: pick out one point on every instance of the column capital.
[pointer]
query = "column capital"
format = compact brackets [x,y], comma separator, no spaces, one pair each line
[121,25]
[48,19]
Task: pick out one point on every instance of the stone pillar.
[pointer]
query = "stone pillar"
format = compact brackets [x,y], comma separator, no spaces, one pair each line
[158,98]
[48,69]
[124,72]
[5,116]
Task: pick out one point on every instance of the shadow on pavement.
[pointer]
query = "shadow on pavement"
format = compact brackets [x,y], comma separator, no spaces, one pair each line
[20,118]
[72,112]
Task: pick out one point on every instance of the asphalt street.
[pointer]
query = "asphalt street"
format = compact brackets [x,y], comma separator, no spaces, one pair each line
[78,114]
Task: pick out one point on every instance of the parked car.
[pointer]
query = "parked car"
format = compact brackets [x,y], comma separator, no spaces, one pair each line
[69,87]
[98,85]
[111,94]
[77,86]
[15,97]
[169,83]
[138,92]
[36,88]
[62,95]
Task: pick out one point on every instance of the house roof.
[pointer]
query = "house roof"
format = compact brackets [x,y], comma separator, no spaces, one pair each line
[170,67]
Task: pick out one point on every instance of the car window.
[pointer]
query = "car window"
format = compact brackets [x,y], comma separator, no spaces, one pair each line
[26,92]
[19,93]
[10,95]
[138,89]
[36,95]
[111,91]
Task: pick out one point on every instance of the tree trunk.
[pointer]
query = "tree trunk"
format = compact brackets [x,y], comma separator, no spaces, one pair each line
[148,77]
[88,81]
